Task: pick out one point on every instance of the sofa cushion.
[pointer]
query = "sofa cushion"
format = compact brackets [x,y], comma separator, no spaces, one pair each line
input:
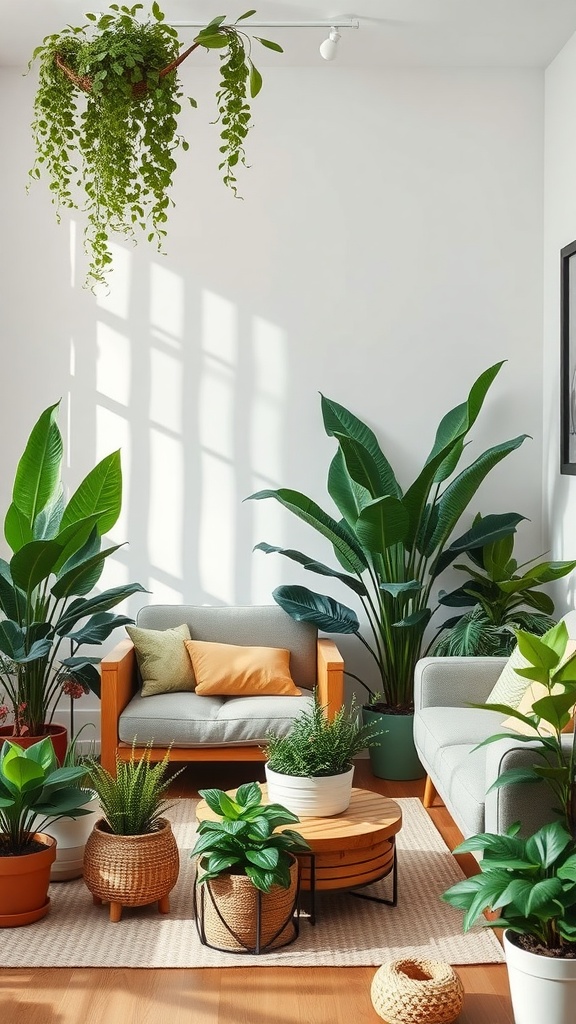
[237,671]
[510,687]
[437,728]
[189,720]
[162,659]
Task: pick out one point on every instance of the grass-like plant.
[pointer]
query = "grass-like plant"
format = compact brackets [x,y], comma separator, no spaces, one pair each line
[133,802]
[243,840]
[106,118]
[316,746]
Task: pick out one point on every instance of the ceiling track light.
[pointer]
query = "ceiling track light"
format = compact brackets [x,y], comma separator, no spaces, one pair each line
[328,49]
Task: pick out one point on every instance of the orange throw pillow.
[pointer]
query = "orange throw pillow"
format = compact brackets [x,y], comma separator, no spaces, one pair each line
[226,670]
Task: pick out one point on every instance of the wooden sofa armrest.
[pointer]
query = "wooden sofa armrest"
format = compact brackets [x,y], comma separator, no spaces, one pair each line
[119,684]
[329,676]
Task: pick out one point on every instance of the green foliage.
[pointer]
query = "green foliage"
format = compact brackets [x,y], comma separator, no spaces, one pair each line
[34,790]
[532,882]
[315,746]
[106,130]
[502,598]
[549,666]
[45,587]
[133,801]
[392,544]
[243,840]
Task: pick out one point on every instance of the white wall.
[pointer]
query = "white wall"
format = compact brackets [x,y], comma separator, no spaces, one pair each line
[560,229]
[387,250]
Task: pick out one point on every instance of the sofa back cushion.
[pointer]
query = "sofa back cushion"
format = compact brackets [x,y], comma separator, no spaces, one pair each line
[247,626]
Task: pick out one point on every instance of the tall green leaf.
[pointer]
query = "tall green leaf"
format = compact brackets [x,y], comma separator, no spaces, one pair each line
[37,477]
[81,608]
[382,524]
[314,566]
[100,494]
[306,606]
[81,579]
[456,423]
[34,563]
[348,496]
[338,420]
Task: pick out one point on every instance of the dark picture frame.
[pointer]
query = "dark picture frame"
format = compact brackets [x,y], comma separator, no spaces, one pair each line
[568,359]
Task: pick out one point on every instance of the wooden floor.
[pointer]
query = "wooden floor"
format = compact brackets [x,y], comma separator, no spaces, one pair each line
[241,995]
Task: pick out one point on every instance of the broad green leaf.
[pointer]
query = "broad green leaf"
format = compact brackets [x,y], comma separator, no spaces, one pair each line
[458,421]
[215,42]
[249,795]
[21,771]
[309,512]
[338,420]
[348,496]
[270,44]
[99,494]
[313,566]
[81,579]
[401,589]
[548,843]
[34,563]
[82,607]
[267,858]
[360,464]
[38,473]
[460,492]
[255,79]
[382,524]
[17,528]
[306,606]
[541,654]
[99,627]
[486,530]
[555,709]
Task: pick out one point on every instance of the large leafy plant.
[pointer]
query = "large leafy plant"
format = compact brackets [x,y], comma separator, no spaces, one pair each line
[391,544]
[318,747]
[499,598]
[550,666]
[45,587]
[531,882]
[243,839]
[106,118]
[33,791]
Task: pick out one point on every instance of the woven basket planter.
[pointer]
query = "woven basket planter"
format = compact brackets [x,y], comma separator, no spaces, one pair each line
[131,871]
[417,992]
[229,908]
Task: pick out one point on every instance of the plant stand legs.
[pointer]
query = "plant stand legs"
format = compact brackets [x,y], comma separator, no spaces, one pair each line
[164,905]
[115,912]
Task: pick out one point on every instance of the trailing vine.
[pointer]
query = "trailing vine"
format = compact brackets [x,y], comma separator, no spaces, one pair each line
[106,112]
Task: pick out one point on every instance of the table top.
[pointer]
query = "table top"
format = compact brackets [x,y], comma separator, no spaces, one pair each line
[370,817]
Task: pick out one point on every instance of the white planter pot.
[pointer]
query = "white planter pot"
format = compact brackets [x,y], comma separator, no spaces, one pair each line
[543,988]
[71,835]
[307,797]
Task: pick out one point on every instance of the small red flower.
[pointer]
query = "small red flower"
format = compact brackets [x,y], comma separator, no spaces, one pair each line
[73,689]
[4,712]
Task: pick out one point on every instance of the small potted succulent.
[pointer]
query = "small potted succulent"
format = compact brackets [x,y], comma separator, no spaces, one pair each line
[247,873]
[131,857]
[310,770]
[33,790]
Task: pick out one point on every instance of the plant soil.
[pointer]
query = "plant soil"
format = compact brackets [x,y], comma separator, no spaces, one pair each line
[387,709]
[530,944]
[32,846]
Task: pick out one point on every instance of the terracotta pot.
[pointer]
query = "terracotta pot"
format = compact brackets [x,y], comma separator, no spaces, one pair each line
[57,733]
[226,910]
[131,871]
[24,883]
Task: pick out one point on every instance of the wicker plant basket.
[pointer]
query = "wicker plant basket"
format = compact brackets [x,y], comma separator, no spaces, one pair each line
[131,871]
[417,992]
[229,908]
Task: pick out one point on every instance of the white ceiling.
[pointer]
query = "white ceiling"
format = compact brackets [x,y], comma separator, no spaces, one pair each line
[392,33]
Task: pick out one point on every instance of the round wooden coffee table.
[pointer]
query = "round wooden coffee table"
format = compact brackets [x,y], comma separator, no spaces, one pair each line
[349,850]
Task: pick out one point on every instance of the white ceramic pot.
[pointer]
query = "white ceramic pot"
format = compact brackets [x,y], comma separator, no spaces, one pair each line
[310,797]
[543,988]
[71,835]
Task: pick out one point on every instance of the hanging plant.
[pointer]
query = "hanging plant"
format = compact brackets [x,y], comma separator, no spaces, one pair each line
[106,118]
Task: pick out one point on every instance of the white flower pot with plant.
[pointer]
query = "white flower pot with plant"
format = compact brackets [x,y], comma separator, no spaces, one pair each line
[310,770]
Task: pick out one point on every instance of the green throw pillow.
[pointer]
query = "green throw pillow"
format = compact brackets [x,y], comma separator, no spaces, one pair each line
[509,688]
[163,659]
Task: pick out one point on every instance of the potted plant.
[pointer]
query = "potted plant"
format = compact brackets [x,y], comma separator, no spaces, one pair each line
[33,790]
[131,857]
[530,884]
[71,834]
[106,118]
[498,598]
[392,545]
[45,587]
[310,770]
[247,873]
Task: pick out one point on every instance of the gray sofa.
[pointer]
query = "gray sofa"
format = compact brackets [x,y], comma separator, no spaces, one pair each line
[202,728]
[446,733]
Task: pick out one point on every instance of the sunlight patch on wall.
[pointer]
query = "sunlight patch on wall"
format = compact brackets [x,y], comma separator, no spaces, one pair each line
[166,503]
[167,303]
[218,487]
[115,298]
[166,390]
[161,593]
[112,364]
[113,432]
[267,434]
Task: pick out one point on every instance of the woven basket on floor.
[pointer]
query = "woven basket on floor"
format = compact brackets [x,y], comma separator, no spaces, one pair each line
[417,992]
[131,870]
[227,911]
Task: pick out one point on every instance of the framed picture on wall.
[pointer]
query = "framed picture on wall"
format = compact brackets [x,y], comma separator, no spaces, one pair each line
[568,359]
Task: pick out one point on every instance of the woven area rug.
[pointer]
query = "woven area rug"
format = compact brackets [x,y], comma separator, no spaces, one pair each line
[348,932]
